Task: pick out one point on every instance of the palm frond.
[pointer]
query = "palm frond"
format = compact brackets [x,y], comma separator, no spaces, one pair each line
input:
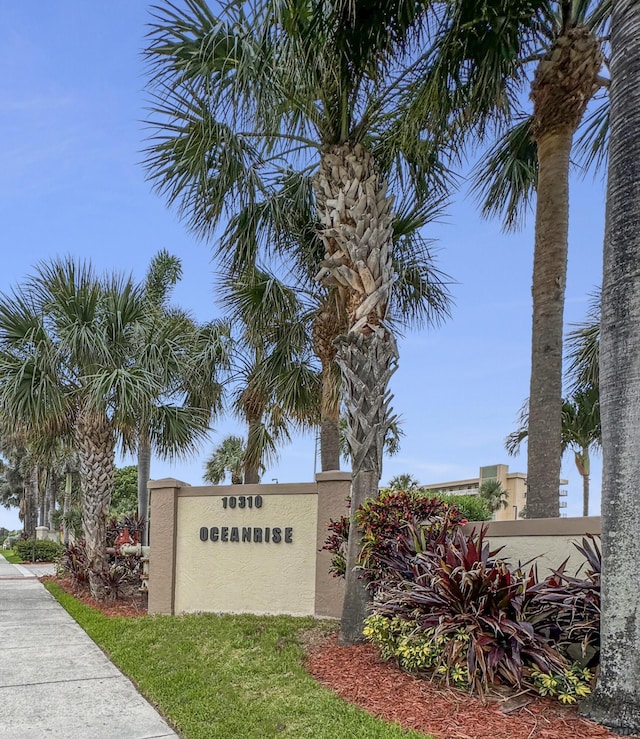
[593,140]
[506,179]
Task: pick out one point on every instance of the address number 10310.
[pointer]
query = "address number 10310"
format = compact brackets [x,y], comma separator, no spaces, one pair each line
[242,501]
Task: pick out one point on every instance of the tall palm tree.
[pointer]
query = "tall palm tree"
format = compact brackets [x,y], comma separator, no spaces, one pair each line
[277,387]
[283,226]
[71,365]
[580,431]
[316,83]
[19,480]
[616,701]
[227,457]
[195,379]
[163,273]
[535,155]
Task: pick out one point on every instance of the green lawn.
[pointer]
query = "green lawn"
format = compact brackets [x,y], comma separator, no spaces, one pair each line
[11,557]
[215,677]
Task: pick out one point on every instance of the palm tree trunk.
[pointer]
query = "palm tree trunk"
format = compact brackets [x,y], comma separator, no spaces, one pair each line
[616,699]
[66,507]
[549,279]
[31,504]
[564,82]
[42,499]
[144,472]
[329,323]
[585,495]
[94,440]
[51,499]
[252,460]
[356,217]
[329,421]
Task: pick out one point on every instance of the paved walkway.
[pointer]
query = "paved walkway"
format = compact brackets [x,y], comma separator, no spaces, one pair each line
[55,683]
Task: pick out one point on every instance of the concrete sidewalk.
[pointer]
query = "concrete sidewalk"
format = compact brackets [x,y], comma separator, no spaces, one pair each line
[54,681]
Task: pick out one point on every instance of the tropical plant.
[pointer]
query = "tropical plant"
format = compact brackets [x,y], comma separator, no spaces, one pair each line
[535,156]
[284,226]
[581,432]
[276,384]
[472,507]
[248,93]
[566,608]
[583,350]
[71,366]
[391,440]
[405,482]
[227,457]
[494,495]
[395,523]
[164,271]
[453,608]
[194,383]
[616,702]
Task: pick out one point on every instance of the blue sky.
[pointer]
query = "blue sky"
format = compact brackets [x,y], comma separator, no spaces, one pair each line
[71,106]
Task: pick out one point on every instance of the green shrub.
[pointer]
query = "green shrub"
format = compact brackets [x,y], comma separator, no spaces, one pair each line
[38,550]
[383,521]
[74,561]
[472,507]
[456,610]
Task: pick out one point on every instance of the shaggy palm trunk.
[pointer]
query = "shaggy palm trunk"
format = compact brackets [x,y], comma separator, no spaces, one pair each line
[31,504]
[95,444]
[66,507]
[616,699]
[252,455]
[356,215]
[564,82]
[50,505]
[328,325]
[42,502]
[144,472]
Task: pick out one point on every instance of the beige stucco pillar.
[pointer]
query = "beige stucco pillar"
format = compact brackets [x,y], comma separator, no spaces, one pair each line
[163,510]
[333,490]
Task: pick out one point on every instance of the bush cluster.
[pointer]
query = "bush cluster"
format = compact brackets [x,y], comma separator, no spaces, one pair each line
[444,602]
[37,550]
[123,576]
[381,520]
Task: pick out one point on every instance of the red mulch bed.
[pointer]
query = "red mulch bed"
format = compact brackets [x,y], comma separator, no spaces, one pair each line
[418,704]
[412,702]
[128,607]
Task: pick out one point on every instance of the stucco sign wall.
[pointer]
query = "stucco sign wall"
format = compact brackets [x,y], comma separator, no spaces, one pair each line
[244,553]
[245,549]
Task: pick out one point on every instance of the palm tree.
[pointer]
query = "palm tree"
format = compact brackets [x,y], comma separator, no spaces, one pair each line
[284,224]
[71,366]
[195,380]
[313,83]
[277,387]
[583,349]
[494,495]
[535,155]
[19,480]
[228,457]
[616,701]
[404,482]
[580,432]
[164,272]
